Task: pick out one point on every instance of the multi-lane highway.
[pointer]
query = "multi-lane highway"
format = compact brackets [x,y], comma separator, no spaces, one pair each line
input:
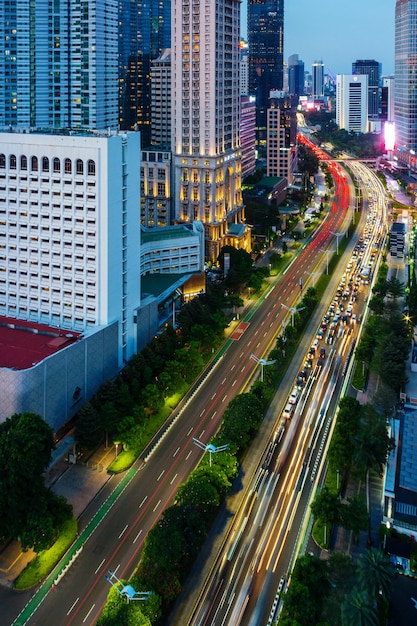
[117,533]
[249,574]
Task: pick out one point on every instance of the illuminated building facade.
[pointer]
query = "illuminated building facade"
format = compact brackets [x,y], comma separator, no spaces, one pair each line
[205,120]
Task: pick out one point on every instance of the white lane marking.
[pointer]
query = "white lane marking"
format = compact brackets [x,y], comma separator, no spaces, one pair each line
[73,606]
[176,452]
[137,536]
[203,411]
[156,505]
[124,530]
[99,566]
[191,429]
[173,479]
[223,381]
[88,614]
[188,455]
[214,395]
[160,475]
[143,502]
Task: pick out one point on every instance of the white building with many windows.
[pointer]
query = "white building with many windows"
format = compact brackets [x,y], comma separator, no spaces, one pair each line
[69,231]
[352,102]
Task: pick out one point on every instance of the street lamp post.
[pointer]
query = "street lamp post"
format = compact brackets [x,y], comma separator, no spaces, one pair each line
[327,252]
[313,275]
[210,448]
[337,235]
[262,362]
[293,310]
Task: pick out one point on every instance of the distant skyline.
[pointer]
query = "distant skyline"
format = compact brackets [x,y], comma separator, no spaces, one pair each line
[337,33]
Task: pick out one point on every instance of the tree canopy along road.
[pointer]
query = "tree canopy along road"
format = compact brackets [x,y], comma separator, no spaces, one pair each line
[249,573]
[117,526]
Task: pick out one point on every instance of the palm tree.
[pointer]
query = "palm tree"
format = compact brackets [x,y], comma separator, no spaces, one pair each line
[375,574]
[358,611]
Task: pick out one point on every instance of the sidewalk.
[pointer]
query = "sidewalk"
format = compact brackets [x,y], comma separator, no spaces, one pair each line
[79,484]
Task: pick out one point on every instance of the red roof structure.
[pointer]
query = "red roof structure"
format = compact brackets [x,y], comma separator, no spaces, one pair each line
[24,344]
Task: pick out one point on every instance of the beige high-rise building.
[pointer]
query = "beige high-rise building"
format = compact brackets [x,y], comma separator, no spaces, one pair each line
[205,121]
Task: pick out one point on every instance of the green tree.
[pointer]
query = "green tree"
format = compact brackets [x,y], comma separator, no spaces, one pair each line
[375,574]
[88,429]
[354,515]
[28,510]
[357,610]
[326,507]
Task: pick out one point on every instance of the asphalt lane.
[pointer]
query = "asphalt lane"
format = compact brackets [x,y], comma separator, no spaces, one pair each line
[117,541]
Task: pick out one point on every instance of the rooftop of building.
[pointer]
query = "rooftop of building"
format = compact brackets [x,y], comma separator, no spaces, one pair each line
[161,285]
[23,343]
[68,132]
[152,235]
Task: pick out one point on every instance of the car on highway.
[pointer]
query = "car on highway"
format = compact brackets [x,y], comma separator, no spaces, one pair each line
[294,397]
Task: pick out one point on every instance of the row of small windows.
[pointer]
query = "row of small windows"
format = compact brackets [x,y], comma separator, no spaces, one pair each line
[67,165]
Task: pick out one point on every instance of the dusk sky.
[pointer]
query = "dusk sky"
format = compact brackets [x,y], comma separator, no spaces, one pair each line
[338,33]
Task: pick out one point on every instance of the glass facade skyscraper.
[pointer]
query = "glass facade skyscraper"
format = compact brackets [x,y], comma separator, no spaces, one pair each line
[145,31]
[266,43]
[58,66]
[371,69]
[405,98]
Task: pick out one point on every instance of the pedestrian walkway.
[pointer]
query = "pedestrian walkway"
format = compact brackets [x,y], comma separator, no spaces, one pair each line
[79,483]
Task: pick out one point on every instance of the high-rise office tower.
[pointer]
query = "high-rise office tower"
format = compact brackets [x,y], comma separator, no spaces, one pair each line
[205,120]
[281,137]
[295,75]
[161,99]
[405,98]
[387,99]
[352,102]
[371,69]
[145,31]
[59,62]
[265,37]
[317,76]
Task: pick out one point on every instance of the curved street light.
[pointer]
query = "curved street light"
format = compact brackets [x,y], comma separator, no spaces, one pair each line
[262,362]
[209,447]
[292,310]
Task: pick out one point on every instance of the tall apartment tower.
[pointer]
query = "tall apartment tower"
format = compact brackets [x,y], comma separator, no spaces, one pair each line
[265,37]
[59,63]
[317,77]
[161,99]
[387,99]
[145,31]
[281,138]
[405,98]
[371,69]
[295,75]
[205,120]
[352,102]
